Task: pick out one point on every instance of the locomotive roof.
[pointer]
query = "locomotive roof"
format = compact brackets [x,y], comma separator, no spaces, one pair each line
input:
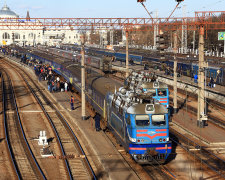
[140,109]
[104,85]
[149,85]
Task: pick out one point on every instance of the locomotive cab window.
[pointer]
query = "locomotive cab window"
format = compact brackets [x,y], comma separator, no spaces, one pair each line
[158,120]
[142,120]
[162,92]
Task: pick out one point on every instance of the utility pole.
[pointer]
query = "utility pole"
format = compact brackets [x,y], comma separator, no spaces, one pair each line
[175,75]
[193,42]
[184,32]
[111,37]
[155,31]
[127,54]
[83,113]
[201,117]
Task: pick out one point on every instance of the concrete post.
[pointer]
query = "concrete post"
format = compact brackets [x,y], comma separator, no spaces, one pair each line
[127,55]
[224,46]
[83,113]
[201,118]
[175,75]
[193,42]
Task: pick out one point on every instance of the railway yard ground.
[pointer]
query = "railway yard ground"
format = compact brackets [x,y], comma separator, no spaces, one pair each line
[110,161]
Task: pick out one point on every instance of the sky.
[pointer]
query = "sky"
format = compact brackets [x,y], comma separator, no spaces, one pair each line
[108,8]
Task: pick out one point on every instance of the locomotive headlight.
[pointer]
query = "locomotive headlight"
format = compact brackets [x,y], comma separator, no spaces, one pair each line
[160,140]
[132,139]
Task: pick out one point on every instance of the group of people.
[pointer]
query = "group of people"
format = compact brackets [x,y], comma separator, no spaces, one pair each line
[44,72]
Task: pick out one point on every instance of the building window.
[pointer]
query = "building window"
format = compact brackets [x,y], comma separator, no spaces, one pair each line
[31,35]
[5,36]
[24,37]
[17,36]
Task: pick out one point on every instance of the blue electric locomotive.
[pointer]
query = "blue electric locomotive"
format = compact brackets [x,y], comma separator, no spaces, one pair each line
[142,128]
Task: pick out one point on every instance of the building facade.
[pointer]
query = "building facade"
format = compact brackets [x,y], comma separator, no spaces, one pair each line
[34,37]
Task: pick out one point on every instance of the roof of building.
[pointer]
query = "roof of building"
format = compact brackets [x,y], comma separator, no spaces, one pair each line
[6,12]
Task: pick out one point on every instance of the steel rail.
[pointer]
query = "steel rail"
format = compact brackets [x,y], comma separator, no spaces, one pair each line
[201,151]
[15,166]
[39,171]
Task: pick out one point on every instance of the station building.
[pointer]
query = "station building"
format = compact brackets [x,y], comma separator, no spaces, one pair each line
[33,37]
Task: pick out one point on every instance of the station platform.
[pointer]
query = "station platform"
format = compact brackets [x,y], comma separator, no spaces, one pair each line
[209,136]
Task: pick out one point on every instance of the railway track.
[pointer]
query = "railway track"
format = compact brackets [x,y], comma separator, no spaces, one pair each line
[72,154]
[209,159]
[24,161]
[7,147]
[156,171]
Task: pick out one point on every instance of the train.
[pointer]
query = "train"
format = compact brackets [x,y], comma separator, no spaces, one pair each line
[136,59]
[140,124]
[185,67]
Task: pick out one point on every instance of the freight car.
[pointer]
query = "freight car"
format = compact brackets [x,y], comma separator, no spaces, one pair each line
[141,126]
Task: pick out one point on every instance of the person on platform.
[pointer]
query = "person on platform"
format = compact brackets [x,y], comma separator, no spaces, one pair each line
[97,119]
[72,102]
[65,86]
[211,82]
[196,78]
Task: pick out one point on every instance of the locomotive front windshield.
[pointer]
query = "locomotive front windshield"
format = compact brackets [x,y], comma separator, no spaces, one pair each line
[158,120]
[142,120]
